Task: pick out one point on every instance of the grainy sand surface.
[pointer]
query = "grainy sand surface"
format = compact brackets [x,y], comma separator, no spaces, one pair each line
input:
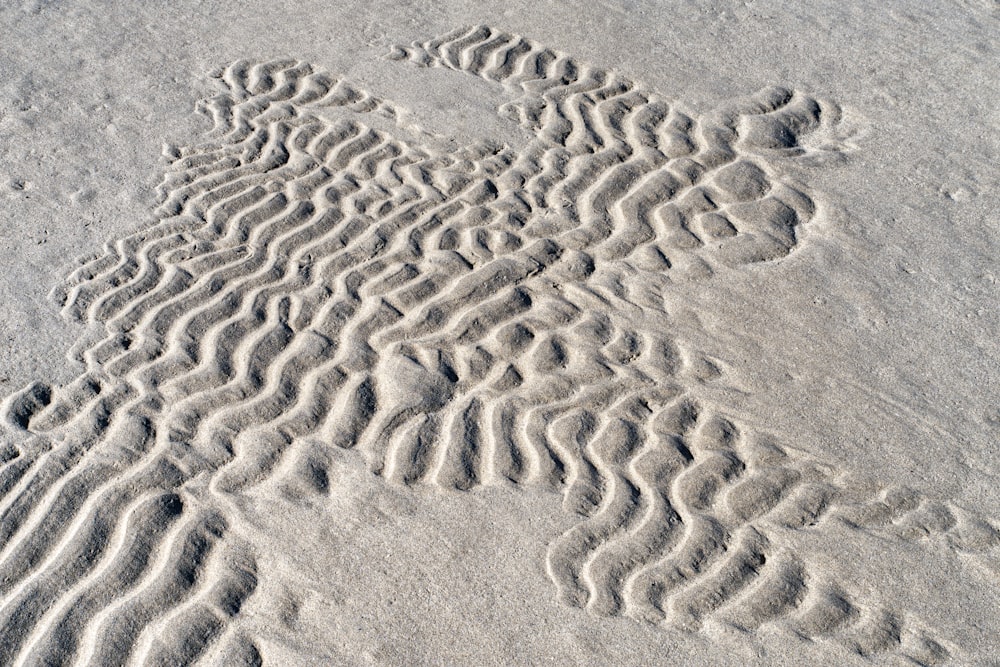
[616,333]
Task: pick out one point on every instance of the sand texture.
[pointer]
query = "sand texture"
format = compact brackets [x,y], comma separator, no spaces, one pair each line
[532,340]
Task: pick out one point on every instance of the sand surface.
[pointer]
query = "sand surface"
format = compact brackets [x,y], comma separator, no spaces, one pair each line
[616,333]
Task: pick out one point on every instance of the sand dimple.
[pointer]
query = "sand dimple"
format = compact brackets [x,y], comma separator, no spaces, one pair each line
[460,318]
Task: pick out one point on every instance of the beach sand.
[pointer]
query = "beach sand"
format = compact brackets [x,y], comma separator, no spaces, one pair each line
[623,333]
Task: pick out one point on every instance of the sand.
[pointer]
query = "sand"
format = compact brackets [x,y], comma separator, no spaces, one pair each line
[620,333]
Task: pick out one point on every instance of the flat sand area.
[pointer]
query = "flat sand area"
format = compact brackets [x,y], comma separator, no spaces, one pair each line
[500,333]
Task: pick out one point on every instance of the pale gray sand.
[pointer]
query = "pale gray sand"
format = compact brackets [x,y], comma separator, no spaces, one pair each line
[644,334]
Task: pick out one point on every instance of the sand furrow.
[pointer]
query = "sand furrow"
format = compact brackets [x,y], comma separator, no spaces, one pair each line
[58,634]
[112,635]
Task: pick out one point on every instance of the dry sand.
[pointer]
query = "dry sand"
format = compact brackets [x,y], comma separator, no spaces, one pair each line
[618,333]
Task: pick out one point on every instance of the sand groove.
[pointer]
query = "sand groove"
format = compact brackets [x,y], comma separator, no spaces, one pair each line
[480,316]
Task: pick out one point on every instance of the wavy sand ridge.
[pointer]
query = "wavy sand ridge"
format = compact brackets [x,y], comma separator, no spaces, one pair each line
[457,318]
